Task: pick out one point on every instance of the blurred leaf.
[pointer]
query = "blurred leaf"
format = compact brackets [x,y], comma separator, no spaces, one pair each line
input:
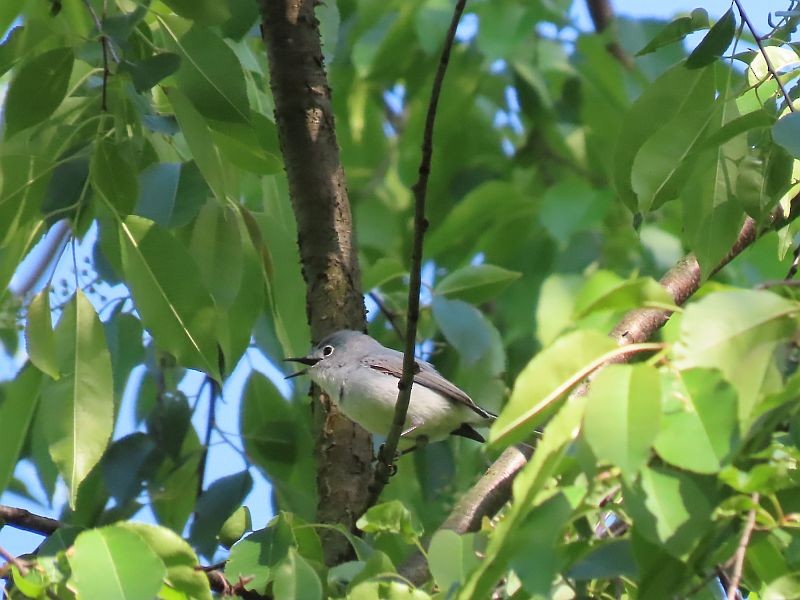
[786,132]
[670,508]
[37,89]
[278,441]
[40,343]
[211,76]
[235,526]
[390,517]
[178,557]
[476,283]
[762,179]
[255,558]
[215,505]
[607,291]
[606,560]
[114,177]
[296,579]
[125,466]
[451,558]
[114,562]
[382,271]
[728,331]
[545,380]
[168,293]
[700,428]
[171,194]
[168,487]
[148,72]
[622,415]
[556,305]
[677,30]
[216,246]
[124,336]
[676,90]
[714,43]
[466,329]
[80,404]
[19,399]
[208,12]
[571,205]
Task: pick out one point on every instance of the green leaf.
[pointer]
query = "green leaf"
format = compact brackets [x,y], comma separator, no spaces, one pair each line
[728,331]
[215,505]
[148,72]
[786,132]
[607,291]
[572,205]
[256,557]
[607,560]
[20,398]
[235,526]
[216,246]
[211,75]
[700,428]
[663,163]
[171,194]
[670,508]
[556,305]
[451,558]
[674,91]
[277,440]
[296,579]
[167,291]
[545,380]
[465,328]
[677,30]
[622,415]
[756,119]
[116,564]
[207,12]
[178,557]
[476,283]
[114,177]
[198,137]
[124,336]
[126,464]
[763,178]
[382,271]
[385,590]
[37,89]
[390,517]
[249,146]
[39,340]
[80,404]
[714,43]
[167,487]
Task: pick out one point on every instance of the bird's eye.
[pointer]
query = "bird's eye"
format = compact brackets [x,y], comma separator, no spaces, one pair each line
[327,351]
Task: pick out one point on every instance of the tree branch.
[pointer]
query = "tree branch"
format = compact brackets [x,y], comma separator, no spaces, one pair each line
[304,117]
[741,550]
[387,455]
[636,326]
[602,15]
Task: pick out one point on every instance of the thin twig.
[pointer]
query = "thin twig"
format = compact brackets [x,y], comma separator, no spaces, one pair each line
[736,578]
[14,561]
[763,50]
[390,315]
[602,16]
[386,456]
[778,283]
[99,24]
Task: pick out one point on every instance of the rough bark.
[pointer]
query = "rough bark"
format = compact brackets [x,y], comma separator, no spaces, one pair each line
[304,117]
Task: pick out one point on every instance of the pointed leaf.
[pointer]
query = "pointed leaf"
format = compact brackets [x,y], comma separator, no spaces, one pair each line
[80,405]
[114,177]
[37,89]
[20,399]
[714,43]
[166,288]
[477,283]
[40,342]
[677,30]
[116,564]
[296,579]
[786,132]
[700,427]
[216,246]
[622,415]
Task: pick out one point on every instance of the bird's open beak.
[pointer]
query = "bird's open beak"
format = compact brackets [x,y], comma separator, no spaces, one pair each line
[306,360]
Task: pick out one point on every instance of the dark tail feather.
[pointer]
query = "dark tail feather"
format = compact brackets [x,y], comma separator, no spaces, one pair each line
[467,431]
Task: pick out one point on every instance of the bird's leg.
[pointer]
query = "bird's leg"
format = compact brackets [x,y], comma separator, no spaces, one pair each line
[422,441]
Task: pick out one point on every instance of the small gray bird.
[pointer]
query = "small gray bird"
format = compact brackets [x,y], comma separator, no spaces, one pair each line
[361,375]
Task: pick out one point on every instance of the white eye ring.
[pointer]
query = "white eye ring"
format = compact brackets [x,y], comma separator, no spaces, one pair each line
[327,350]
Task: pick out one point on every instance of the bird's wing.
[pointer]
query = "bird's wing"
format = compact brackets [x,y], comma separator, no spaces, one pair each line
[429,377]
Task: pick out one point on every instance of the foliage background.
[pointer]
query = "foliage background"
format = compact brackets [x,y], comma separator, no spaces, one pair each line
[529,240]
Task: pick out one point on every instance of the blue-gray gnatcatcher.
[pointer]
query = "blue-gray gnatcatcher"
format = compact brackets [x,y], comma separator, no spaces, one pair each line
[361,375]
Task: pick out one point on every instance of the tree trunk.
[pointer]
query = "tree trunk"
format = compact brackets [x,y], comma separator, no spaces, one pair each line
[304,117]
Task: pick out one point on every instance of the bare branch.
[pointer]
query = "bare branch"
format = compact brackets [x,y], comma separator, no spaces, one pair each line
[741,550]
[602,15]
[386,458]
